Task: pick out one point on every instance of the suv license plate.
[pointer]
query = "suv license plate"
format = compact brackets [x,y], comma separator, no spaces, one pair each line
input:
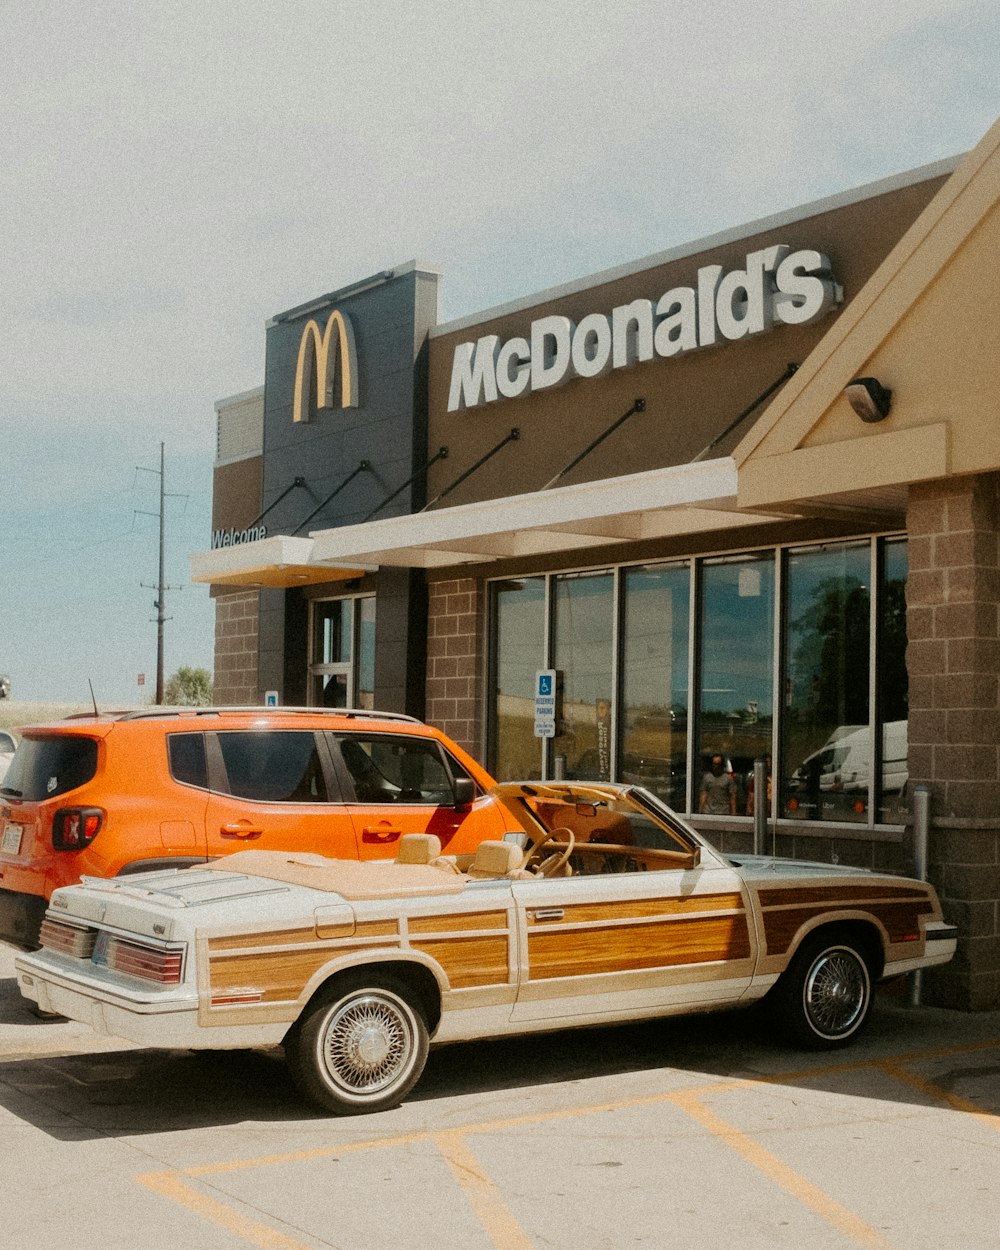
[12,838]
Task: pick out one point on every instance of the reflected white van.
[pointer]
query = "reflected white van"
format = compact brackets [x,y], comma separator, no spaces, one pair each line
[844,760]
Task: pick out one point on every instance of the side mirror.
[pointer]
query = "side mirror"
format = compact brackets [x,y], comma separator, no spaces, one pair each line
[465,791]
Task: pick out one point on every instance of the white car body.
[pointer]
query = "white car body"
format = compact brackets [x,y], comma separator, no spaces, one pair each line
[260,941]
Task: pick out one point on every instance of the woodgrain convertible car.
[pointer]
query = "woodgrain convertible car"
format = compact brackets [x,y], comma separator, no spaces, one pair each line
[609,908]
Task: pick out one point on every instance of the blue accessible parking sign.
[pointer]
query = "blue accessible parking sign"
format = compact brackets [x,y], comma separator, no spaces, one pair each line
[545,703]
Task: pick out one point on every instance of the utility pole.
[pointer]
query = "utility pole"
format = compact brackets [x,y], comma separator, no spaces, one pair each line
[161,588]
[161,596]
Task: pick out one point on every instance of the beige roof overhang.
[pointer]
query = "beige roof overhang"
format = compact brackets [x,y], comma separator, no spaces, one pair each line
[277,562]
[924,324]
[659,503]
[682,499]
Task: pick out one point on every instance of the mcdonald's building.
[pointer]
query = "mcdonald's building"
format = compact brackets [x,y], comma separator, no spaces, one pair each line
[737,499]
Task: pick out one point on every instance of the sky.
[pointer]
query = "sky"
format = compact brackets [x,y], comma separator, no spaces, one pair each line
[173,174]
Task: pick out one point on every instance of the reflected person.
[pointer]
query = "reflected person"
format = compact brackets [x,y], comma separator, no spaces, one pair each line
[718,791]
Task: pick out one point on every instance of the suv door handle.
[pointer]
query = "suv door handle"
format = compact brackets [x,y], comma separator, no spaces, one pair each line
[240,829]
[379,833]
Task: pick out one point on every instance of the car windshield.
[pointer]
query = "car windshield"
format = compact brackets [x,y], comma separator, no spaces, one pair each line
[43,768]
[603,814]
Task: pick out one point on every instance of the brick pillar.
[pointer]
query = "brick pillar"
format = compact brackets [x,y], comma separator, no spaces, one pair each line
[454,661]
[236,641]
[953,659]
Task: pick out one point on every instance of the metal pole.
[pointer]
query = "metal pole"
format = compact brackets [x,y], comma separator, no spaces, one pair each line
[161,596]
[921,830]
[759,804]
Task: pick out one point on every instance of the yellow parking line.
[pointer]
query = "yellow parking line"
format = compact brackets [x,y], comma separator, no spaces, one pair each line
[484,1197]
[170,1185]
[781,1174]
[562,1113]
[955,1101]
[496,1219]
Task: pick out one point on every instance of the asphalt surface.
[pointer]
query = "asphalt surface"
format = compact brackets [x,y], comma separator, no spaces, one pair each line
[696,1132]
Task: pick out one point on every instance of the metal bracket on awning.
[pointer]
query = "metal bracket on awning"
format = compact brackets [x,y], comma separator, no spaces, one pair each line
[512,437]
[299,481]
[792,368]
[638,406]
[332,495]
[440,454]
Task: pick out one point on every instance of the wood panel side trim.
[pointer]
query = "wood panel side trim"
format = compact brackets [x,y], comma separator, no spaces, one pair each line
[655,944]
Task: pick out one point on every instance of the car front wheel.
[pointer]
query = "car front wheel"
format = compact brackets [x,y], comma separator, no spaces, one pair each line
[824,997]
[360,1046]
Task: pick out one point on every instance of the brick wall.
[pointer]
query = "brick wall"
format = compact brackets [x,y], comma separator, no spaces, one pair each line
[953,658]
[236,644]
[455,631]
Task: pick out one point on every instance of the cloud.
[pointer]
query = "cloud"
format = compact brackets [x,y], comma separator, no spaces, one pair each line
[173,174]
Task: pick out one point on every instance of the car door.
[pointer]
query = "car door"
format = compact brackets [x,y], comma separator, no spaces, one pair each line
[622,943]
[275,789]
[401,783]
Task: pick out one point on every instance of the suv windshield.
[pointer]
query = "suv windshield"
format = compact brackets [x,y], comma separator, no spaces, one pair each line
[45,767]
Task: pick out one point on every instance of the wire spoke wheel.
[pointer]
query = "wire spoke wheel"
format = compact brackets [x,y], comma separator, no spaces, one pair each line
[824,996]
[367,1043]
[360,1046]
[835,992]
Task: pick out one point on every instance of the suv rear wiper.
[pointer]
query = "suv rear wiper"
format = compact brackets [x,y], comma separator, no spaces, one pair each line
[10,793]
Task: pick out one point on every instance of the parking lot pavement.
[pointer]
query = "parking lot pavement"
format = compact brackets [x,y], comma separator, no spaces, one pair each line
[672,1133]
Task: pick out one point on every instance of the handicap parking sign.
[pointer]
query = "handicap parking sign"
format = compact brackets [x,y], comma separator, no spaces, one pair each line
[545,703]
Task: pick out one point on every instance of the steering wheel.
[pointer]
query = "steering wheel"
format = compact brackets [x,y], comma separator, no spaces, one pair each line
[552,864]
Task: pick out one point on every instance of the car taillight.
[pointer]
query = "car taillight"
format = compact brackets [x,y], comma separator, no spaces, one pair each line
[74,828]
[68,939]
[164,964]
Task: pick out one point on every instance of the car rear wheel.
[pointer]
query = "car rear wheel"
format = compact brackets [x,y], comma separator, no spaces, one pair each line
[360,1046]
[824,997]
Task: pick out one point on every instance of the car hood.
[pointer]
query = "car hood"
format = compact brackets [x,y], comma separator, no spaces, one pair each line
[773,866]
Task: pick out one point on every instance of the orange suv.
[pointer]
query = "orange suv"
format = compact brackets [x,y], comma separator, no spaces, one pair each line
[165,788]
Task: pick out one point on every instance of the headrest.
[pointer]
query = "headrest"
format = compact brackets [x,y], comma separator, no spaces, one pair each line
[496,859]
[418,848]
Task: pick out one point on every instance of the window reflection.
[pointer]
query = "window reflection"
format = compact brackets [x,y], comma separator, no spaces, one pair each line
[828,756]
[583,659]
[826,741]
[654,680]
[365,696]
[332,629]
[342,652]
[736,664]
[893,682]
[736,673]
[518,653]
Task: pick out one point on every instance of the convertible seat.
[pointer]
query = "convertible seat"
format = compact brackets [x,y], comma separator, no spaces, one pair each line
[498,859]
[418,848]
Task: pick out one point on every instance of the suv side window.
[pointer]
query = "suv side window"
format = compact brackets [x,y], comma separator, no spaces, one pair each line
[186,755]
[396,769]
[273,766]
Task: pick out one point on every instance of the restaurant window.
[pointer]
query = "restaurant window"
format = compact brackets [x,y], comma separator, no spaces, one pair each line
[365,614]
[826,738]
[518,652]
[342,653]
[654,679]
[736,678]
[892,682]
[583,657]
[624,643]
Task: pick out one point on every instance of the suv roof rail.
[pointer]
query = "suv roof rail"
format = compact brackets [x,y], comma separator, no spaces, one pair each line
[353,713]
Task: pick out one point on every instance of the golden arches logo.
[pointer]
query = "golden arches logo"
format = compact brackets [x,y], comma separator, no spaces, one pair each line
[319,355]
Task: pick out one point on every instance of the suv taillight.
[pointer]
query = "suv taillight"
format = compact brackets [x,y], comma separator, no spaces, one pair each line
[74,828]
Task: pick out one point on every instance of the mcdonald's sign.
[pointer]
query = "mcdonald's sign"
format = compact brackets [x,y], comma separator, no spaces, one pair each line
[319,355]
